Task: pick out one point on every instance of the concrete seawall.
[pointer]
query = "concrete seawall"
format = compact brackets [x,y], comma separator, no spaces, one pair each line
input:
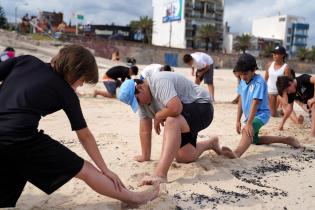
[147,54]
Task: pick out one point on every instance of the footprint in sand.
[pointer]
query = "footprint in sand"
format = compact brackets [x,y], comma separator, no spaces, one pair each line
[138,177]
[175,166]
[107,135]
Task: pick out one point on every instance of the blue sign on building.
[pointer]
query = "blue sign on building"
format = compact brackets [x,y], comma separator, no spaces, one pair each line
[173,10]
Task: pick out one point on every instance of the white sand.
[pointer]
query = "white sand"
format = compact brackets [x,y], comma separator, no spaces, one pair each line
[115,127]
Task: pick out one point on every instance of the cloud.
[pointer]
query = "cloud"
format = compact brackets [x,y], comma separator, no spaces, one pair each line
[239,14]
[95,11]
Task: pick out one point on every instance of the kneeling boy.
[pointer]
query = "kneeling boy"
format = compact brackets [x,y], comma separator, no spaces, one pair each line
[253,103]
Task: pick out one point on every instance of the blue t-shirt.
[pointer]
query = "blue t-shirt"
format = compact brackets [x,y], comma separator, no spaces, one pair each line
[255,89]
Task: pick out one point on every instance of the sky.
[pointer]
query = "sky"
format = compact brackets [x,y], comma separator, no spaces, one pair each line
[238,13]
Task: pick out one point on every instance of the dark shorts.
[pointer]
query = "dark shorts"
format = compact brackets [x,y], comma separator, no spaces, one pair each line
[208,76]
[198,116]
[111,87]
[42,161]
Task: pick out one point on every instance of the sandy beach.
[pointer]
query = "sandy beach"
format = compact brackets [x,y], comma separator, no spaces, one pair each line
[266,177]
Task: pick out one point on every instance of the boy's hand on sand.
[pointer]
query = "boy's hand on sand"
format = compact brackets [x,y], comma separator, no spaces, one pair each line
[152,180]
[116,180]
[157,126]
[238,127]
[249,130]
[281,127]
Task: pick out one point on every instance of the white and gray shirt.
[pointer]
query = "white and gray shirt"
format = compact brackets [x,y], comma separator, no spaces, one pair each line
[166,85]
[152,68]
[201,60]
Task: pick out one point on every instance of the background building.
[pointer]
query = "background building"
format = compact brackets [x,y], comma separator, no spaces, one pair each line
[111,31]
[291,30]
[176,22]
[53,18]
[228,39]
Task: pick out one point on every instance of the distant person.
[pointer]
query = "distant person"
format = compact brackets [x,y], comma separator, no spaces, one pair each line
[275,69]
[131,61]
[30,90]
[25,25]
[297,119]
[8,52]
[115,56]
[152,68]
[253,102]
[299,89]
[182,107]
[113,78]
[203,64]
[237,75]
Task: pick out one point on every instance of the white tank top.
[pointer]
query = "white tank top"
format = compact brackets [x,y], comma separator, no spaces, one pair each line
[273,76]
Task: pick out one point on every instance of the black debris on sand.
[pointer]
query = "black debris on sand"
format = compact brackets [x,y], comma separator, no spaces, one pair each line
[256,176]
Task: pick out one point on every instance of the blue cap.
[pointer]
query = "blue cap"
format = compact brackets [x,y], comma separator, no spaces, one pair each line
[127,94]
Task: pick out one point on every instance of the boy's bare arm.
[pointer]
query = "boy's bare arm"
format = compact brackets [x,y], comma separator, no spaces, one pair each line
[249,124]
[173,108]
[239,115]
[145,139]
[288,108]
[88,142]
[201,72]
[239,110]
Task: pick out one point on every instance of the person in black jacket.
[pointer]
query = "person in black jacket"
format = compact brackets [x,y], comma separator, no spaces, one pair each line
[113,78]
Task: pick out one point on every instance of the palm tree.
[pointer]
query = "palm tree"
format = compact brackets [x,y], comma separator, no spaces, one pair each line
[208,34]
[145,25]
[311,54]
[302,54]
[243,42]
[267,50]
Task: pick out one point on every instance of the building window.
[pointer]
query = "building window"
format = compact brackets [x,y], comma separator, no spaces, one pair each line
[289,30]
[288,39]
[198,6]
[281,19]
[189,43]
[189,33]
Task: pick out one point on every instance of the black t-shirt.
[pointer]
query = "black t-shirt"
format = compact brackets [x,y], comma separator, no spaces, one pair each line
[118,72]
[304,89]
[31,89]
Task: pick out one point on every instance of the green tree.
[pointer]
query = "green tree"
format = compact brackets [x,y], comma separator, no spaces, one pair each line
[3,19]
[302,54]
[145,25]
[243,42]
[311,54]
[208,34]
[266,52]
